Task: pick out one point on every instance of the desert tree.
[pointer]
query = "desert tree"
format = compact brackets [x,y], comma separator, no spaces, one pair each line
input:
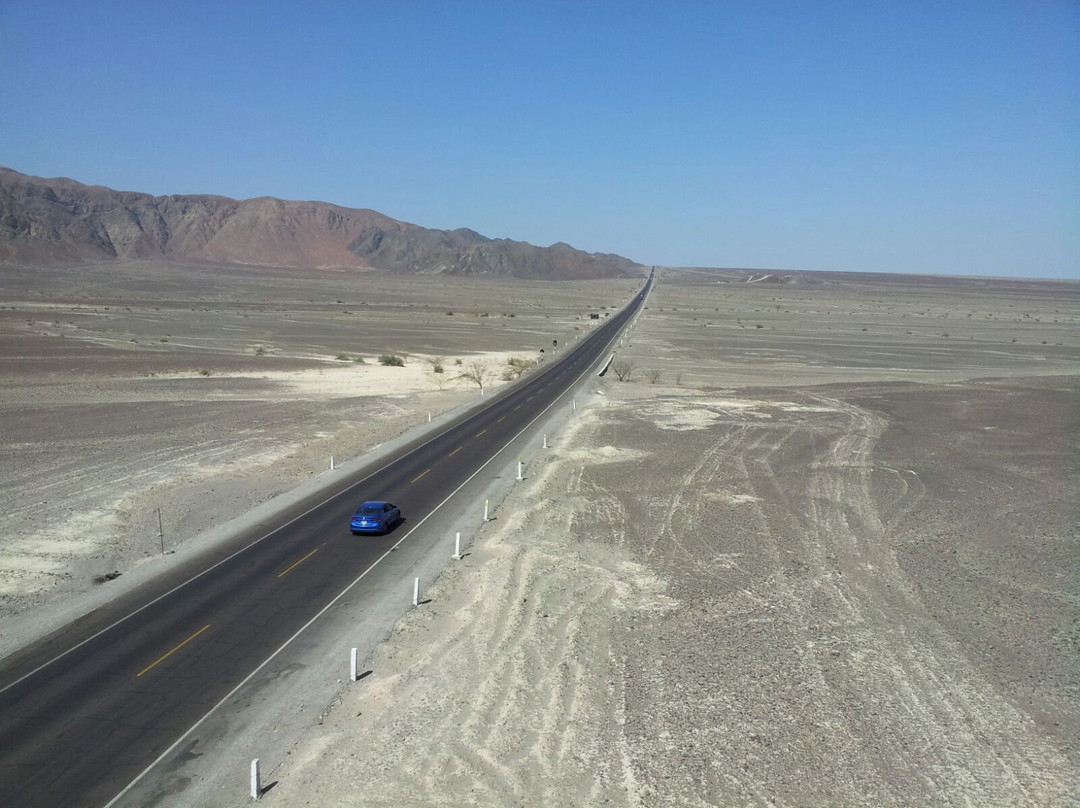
[653,375]
[438,380]
[623,369]
[478,372]
[436,363]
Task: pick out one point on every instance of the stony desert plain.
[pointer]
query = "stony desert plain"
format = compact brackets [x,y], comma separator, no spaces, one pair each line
[818,547]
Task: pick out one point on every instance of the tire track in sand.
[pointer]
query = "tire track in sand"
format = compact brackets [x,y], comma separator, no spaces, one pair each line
[945,725]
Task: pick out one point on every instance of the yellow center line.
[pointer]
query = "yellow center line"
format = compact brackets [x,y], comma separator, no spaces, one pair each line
[425,471]
[173,651]
[481,432]
[518,407]
[501,417]
[301,561]
[458,449]
[529,398]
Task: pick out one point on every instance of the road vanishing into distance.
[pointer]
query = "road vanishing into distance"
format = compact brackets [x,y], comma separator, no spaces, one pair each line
[86,711]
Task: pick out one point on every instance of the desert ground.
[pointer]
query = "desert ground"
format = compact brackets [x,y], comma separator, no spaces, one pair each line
[204,390]
[818,547]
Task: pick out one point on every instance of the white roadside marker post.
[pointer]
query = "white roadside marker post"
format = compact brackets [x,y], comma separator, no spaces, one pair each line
[520,478]
[429,417]
[352,666]
[545,440]
[416,592]
[573,401]
[457,546]
[256,782]
[331,462]
[486,510]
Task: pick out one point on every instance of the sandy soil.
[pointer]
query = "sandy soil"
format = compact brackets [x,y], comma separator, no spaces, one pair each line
[827,561]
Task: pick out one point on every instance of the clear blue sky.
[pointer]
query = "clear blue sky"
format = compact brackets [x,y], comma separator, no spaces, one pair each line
[939,137]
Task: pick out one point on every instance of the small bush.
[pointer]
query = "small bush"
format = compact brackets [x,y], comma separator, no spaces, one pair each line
[204,372]
[515,367]
[391,361]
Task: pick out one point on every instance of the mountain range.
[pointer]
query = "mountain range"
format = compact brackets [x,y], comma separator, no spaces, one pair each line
[61,221]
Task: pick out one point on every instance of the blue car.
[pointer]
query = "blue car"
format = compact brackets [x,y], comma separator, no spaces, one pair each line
[375,516]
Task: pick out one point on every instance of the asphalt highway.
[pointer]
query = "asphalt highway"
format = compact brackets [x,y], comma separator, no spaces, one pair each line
[85,711]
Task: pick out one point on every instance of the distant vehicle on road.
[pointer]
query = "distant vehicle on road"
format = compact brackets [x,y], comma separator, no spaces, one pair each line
[374,516]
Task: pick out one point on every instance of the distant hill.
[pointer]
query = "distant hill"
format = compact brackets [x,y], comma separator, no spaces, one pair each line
[60,221]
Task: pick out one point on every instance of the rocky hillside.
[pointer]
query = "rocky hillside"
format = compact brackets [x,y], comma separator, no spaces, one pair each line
[60,221]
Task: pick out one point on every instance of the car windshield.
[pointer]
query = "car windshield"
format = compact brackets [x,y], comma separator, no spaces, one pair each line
[368,510]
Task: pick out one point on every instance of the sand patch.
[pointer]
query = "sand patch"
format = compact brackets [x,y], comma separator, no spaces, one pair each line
[730,497]
[684,413]
[605,454]
[34,563]
[344,379]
